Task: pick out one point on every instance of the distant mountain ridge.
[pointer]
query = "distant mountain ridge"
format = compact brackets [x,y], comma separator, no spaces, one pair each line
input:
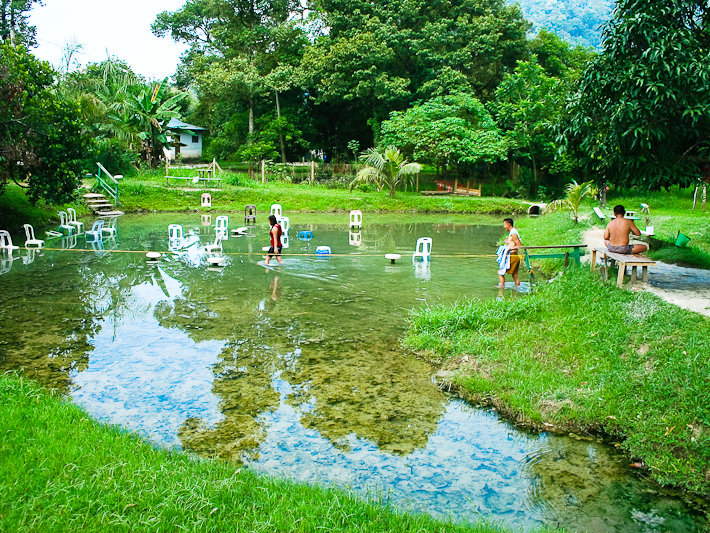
[576,21]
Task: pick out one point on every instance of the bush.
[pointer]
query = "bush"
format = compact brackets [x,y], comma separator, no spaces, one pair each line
[115,156]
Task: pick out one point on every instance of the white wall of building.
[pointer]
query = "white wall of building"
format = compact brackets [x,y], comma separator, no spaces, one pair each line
[192,149]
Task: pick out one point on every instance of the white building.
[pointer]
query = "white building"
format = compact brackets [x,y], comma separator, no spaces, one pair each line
[189,138]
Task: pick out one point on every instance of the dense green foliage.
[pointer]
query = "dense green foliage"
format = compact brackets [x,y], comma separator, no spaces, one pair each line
[64,472]
[14,22]
[582,355]
[41,139]
[641,117]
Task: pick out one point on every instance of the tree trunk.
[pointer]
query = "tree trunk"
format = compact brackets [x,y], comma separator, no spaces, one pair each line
[251,116]
[281,134]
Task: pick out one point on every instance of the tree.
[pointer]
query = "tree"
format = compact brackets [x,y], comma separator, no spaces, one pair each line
[41,139]
[576,192]
[14,26]
[386,168]
[641,114]
[448,129]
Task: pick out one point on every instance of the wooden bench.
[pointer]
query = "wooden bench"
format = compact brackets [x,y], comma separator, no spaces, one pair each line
[624,260]
[193,180]
[576,253]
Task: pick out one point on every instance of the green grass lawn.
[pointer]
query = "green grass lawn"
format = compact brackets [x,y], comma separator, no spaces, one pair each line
[581,355]
[61,471]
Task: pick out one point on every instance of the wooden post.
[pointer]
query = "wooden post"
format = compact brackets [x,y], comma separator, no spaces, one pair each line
[467,182]
[313,172]
[456,185]
[417,181]
[263,171]
[705,195]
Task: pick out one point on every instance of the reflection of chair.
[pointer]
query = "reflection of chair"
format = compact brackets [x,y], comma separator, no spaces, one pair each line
[110,230]
[222,224]
[250,213]
[6,242]
[276,210]
[64,222]
[206,220]
[206,200]
[69,242]
[217,244]
[94,234]
[73,221]
[5,263]
[423,249]
[31,240]
[356,219]
[355,239]
[285,223]
[422,271]
[30,257]
[175,231]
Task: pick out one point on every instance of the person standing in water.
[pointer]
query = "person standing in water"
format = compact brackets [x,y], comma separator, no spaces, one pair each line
[275,232]
[512,242]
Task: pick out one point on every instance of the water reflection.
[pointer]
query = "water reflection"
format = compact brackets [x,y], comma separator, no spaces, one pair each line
[297,369]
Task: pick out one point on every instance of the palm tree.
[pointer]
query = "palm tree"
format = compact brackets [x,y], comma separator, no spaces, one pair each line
[386,168]
[576,192]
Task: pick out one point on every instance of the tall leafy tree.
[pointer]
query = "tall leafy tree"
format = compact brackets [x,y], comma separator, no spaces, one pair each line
[42,145]
[14,22]
[641,116]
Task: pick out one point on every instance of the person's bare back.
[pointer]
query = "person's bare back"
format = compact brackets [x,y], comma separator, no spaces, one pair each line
[616,235]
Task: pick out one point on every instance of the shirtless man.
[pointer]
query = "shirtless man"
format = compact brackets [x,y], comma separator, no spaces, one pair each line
[616,235]
[512,242]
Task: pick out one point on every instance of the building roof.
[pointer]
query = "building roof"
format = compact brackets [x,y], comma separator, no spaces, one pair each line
[180,125]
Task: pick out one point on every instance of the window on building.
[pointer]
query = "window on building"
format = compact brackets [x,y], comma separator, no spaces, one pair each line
[195,139]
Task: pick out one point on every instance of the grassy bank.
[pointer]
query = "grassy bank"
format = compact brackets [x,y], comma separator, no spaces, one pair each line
[581,355]
[63,472]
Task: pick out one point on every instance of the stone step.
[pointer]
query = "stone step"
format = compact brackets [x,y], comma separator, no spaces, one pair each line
[93,195]
[103,214]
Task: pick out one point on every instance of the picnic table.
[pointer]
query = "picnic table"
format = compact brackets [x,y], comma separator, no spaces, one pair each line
[201,178]
[624,260]
[571,250]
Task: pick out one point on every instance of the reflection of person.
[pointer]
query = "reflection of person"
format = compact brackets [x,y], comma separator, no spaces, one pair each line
[275,233]
[616,235]
[510,250]
[275,288]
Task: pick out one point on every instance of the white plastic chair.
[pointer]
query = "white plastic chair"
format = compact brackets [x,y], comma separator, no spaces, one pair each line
[645,209]
[423,249]
[285,223]
[6,242]
[217,244]
[175,231]
[355,219]
[276,210]
[64,222]
[31,240]
[284,240]
[110,230]
[73,221]
[222,224]
[206,200]
[94,234]
[355,238]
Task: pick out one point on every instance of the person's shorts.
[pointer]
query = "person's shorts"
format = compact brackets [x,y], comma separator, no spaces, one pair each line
[514,264]
[271,250]
[625,250]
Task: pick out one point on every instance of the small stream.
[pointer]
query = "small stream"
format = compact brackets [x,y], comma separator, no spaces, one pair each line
[297,371]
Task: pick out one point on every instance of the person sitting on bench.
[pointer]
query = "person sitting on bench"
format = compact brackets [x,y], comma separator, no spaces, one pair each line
[616,235]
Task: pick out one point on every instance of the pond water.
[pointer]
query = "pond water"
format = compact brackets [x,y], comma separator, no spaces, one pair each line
[297,370]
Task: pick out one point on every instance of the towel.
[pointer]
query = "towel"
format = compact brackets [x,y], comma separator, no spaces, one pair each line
[503,258]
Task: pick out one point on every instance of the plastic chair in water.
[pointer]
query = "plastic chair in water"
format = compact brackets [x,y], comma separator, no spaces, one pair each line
[645,209]
[249,213]
[423,249]
[73,221]
[323,250]
[175,231]
[206,200]
[216,245]
[6,242]
[355,238]
[284,240]
[285,223]
[95,233]
[64,222]
[110,230]
[222,224]
[276,210]
[31,240]
[305,235]
[356,219]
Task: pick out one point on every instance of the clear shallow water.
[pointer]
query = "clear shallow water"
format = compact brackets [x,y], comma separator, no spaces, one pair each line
[297,370]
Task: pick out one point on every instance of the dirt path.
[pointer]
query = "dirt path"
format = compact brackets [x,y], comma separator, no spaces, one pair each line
[688,288]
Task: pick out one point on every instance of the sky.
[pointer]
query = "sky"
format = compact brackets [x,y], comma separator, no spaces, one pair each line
[120,28]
